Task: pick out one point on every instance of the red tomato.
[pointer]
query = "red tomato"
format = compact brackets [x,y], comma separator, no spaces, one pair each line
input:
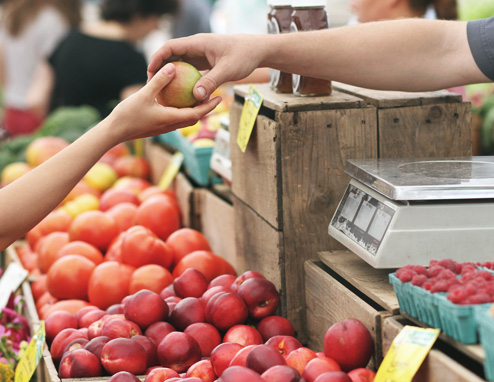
[124,215]
[55,221]
[132,183]
[94,227]
[114,252]
[82,248]
[132,165]
[208,263]
[68,277]
[159,213]
[153,277]
[115,196]
[140,246]
[71,306]
[115,152]
[39,287]
[45,301]
[81,188]
[186,240]
[109,284]
[48,248]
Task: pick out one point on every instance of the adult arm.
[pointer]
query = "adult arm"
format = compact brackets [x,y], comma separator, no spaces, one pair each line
[407,55]
[26,201]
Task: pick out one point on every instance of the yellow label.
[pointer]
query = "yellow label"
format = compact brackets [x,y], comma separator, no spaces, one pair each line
[30,359]
[139,147]
[171,171]
[406,354]
[252,104]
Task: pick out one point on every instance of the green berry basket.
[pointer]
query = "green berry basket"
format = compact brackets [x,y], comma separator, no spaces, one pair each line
[485,322]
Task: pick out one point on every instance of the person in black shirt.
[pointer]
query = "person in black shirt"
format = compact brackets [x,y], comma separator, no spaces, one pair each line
[99,64]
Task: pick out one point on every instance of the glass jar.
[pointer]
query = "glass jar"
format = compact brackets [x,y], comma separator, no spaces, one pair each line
[309,15]
[279,21]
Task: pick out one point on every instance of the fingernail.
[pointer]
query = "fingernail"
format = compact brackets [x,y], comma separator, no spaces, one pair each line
[201,92]
[168,69]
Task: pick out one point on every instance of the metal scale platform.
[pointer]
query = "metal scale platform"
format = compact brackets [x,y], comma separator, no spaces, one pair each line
[400,211]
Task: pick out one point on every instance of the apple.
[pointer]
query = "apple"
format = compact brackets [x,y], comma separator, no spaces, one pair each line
[186,240]
[120,329]
[225,281]
[240,359]
[244,335]
[333,376]
[145,308]
[12,172]
[158,331]
[160,374]
[132,165]
[260,296]
[123,354]
[114,196]
[222,355]
[225,310]
[167,292]
[150,347]
[188,311]
[243,277]
[202,369]
[212,291]
[206,335]
[58,321]
[191,283]
[349,343]
[262,357]
[299,358]
[178,351]
[61,340]
[362,375]
[115,309]
[284,344]
[282,373]
[123,376]
[78,343]
[80,363]
[317,366]
[95,345]
[240,374]
[124,215]
[43,148]
[275,326]
[178,93]
[90,317]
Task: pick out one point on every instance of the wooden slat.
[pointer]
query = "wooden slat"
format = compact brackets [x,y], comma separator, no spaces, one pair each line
[439,130]
[289,102]
[437,367]
[374,283]
[217,223]
[329,302]
[256,173]
[388,99]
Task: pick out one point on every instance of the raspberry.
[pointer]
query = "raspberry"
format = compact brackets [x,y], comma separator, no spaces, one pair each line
[405,275]
[487,275]
[479,298]
[446,274]
[433,263]
[449,264]
[419,269]
[427,285]
[419,280]
[457,295]
[439,286]
[435,270]
[471,288]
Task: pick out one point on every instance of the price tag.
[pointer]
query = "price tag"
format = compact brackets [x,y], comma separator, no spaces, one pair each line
[252,104]
[220,160]
[13,277]
[171,171]
[139,147]
[30,359]
[406,354]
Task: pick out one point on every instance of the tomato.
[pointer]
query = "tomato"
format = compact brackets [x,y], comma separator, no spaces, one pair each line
[94,227]
[153,277]
[115,152]
[109,283]
[39,287]
[55,221]
[28,258]
[48,248]
[82,248]
[159,213]
[132,165]
[124,215]
[114,252]
[115,196]
[68,277]
[45,301]
[132,183]
[71,306]
[208,263]
[140,246]
[81,188]
[186,240]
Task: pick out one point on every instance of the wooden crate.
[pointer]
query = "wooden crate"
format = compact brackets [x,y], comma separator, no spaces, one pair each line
[439,366]
[345,290]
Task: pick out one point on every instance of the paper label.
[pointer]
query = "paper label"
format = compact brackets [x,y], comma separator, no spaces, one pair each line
[406,354]
[30,359]
[12,279]
[171,171]
[252,104]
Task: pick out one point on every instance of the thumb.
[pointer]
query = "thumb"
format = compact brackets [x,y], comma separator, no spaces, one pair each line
[209,82]
[161,78]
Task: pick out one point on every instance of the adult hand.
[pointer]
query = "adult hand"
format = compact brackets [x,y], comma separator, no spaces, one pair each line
[229,58]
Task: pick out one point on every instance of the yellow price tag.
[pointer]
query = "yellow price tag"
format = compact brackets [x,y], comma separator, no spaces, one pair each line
[406,354]
[171,171]
[252,104]
[30,359]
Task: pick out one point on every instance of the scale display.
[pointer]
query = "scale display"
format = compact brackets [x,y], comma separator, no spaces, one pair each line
[362,218]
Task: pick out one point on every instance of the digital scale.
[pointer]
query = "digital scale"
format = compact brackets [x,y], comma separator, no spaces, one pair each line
[400,211]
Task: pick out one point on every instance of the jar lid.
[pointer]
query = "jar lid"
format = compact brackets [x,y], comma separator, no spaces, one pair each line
[309,3]
[279,3]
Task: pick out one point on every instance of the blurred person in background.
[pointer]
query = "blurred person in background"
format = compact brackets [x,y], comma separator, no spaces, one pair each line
[99,64]
[29,31]
[192,17]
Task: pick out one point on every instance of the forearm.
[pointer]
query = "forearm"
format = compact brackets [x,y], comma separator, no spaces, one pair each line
[407,55]
[30,198]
